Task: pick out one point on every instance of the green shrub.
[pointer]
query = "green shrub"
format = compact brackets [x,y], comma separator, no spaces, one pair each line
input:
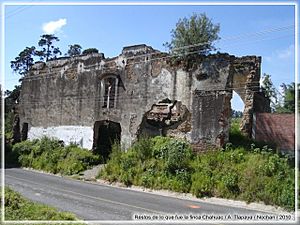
[24,148]
[76,160]
[182,181]
[49,155]
[287,195]
[275,166]
[112,169]
[202,184]
[237,139]
[143,148]
[227,185]
[11,158]
[179,156]
[237,156]
[129,160]
[147,179]
[159,149]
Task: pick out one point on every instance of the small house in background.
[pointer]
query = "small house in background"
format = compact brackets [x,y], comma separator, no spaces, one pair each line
[275,128]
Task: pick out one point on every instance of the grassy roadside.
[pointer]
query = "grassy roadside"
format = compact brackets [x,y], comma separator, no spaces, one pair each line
[254,174]
[51,156]
[242,170]
[18,208]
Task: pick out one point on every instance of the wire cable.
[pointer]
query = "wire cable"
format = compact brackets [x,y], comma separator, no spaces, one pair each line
[143,61]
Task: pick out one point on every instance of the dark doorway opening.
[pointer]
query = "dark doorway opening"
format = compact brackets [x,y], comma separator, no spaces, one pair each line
[24,132]
[106,133]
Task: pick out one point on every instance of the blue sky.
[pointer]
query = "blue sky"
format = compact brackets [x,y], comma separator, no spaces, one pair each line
[266,31]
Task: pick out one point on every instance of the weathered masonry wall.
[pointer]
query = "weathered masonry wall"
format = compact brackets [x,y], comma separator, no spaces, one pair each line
[136,93]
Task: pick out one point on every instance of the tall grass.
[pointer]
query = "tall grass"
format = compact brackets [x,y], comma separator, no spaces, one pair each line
[252,174]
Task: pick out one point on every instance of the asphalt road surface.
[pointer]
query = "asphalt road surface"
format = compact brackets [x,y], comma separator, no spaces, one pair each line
[94,202]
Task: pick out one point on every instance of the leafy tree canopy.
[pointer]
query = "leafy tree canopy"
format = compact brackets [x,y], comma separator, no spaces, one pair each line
[74,50]
[90,51]
[268,87]
[10,101]
[280,103]
[288,105]
[11,98]
[23,61]
[49,51]
[236,114]
[269,90]
[194,35]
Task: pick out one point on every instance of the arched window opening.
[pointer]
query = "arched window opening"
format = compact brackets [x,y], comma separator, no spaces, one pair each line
[109,91]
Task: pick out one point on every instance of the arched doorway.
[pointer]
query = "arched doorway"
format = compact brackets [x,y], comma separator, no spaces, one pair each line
[106,133]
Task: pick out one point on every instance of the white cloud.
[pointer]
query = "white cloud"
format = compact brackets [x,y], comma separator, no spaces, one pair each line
[286,53]
[53,27]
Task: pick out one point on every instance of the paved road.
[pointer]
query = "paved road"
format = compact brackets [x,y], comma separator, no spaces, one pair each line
[99,202]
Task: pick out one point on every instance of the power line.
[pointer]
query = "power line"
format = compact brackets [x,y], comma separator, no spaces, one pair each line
[263,39]
[230,38]
[18,10]
[276,29]
[37,77]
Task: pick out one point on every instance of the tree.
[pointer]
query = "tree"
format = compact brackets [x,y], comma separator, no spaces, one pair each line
[269,90]
[49,51]
[236,114]
[194,35]
[90,51]
[74,50]
[12,97]
[10,102]
[289,99]
[23,61]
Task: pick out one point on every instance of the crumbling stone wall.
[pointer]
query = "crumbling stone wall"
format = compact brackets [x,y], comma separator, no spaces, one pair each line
[141,91]
[246,76]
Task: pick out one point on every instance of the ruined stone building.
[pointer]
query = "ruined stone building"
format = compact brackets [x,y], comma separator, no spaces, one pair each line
[94,101]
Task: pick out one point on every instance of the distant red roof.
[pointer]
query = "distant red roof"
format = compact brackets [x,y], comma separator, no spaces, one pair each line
[275,128]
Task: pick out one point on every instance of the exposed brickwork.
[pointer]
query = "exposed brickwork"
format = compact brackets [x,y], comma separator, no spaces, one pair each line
[276,128]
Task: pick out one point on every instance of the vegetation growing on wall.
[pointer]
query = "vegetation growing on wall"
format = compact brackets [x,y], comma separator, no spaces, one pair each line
[90,51]
[74,50]
[48,51]
[51,156]
[253,175]
[192,37]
